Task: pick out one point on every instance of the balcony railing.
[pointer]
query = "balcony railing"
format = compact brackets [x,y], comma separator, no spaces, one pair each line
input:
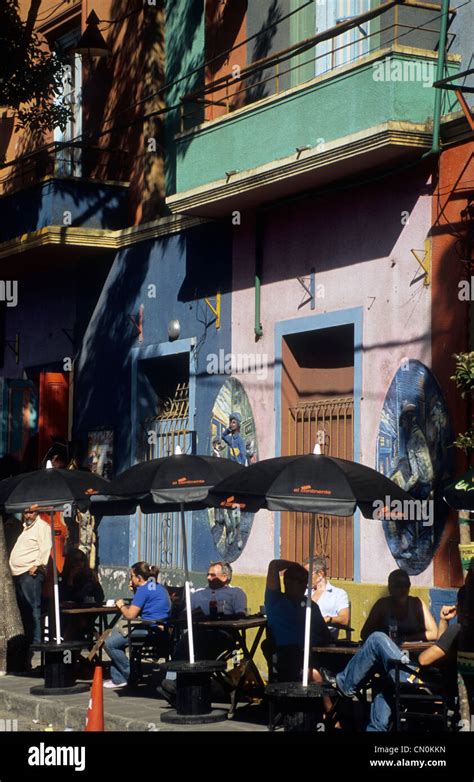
[345,43]
[71,160]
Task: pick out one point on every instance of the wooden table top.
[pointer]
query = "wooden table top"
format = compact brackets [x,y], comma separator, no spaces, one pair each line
[90,610]
[408,646]
[246,623]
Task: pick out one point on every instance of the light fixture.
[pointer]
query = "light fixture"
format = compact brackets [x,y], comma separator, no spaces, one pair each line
[91,41]
[174,329]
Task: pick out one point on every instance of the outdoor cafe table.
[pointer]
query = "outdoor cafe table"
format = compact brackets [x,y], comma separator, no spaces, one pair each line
[237,630]
[353,648]
[101,615]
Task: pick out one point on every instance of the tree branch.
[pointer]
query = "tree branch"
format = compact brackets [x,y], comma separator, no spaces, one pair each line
[31,19]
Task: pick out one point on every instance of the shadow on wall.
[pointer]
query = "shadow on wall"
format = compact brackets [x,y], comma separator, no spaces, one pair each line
[184,53]
[334,229]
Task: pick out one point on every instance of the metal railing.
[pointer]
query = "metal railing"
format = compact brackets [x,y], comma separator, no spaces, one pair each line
[159,534]
[277,72]
[328,422]
[73,160]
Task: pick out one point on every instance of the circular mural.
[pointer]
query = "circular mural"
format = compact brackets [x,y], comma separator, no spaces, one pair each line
[412,449]
[230,528]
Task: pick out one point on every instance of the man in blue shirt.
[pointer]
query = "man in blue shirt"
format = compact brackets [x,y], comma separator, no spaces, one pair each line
[152,603]
[234,440]
[286,617]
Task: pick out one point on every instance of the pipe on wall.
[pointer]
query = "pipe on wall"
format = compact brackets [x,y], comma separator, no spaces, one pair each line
[443,34]
[258,272]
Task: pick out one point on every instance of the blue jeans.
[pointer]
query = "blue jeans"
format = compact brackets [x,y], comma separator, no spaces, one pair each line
[374,657]
[28,594]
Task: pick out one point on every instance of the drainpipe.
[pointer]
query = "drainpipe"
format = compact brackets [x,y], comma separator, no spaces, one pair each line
[258,272]
[443,34]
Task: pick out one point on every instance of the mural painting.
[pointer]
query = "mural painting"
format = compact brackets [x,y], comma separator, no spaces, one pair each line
[412,449]
[232,436]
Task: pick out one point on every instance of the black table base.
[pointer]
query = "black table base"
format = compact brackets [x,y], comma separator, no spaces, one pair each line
[300,708]
[193,692]
[59,678]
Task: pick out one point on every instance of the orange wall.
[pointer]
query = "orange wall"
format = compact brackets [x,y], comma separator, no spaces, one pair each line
[226,27]
[111,88]
[450,317]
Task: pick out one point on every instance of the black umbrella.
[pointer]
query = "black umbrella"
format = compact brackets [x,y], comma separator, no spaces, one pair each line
[164,485]
[460,493]
[312,483]
[46,491]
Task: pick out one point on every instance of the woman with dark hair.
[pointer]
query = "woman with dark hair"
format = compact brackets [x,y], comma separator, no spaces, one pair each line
[79,583]
[152,603]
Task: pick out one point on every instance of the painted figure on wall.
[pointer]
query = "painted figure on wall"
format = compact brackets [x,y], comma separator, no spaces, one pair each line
[412,449]
[233,437]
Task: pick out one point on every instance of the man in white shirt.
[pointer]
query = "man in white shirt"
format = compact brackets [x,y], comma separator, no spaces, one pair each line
[28,561]
[333,601]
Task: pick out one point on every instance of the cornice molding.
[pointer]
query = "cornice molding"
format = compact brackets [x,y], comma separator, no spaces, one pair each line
[402,134]
[58,235]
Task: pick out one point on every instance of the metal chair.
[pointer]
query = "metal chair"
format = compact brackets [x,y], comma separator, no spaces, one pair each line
[422,706]
[156,644]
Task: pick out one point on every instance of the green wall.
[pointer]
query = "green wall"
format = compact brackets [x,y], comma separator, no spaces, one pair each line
[338,106]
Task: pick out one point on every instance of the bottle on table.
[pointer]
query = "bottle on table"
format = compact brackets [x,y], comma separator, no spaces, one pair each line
[393,629]
[213,607]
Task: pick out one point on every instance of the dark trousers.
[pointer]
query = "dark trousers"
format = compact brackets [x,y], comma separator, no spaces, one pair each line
[28,594]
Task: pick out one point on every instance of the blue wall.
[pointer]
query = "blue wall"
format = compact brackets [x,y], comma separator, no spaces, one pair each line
[185,268]
[90,204]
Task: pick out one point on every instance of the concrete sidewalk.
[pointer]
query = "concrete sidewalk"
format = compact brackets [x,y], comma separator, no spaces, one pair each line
[137,709]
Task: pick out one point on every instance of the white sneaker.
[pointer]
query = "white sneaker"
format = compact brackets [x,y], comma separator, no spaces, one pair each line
[110,685]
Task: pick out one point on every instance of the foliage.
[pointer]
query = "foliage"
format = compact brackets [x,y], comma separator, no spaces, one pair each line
[464,379]
[30,73]
[464,373]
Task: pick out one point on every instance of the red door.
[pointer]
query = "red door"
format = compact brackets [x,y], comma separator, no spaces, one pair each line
[53,409]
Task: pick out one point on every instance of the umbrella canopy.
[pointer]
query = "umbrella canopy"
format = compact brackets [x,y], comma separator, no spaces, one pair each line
[50,490]
[50,487]
[311,483]
[460,493]
[168,484]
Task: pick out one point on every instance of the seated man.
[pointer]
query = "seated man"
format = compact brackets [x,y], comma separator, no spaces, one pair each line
[403,617]
[286,618]
[333,602]
[218,598]
[376,656]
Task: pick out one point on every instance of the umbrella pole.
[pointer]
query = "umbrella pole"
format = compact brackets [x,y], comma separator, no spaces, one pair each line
[187,588]
[307,628]
[57,620]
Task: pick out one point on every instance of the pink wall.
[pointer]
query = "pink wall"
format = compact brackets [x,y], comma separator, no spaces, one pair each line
[360,248]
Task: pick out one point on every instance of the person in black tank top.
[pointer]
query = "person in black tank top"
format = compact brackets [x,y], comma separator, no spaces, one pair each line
[400,616]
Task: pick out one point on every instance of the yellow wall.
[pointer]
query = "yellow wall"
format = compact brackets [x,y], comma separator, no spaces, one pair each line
[362,597]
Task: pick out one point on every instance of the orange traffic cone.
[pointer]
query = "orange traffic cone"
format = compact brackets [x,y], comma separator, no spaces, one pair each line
[95,712]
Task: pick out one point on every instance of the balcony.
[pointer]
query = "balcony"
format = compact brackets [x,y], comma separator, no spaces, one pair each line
[64,185]
[353,98]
